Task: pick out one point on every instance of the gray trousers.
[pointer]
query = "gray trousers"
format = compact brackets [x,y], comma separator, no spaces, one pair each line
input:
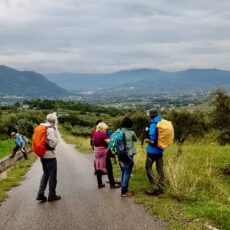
[49,166]
[154,183]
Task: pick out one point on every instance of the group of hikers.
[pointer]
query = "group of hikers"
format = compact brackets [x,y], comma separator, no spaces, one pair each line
[45,140]
[101,137]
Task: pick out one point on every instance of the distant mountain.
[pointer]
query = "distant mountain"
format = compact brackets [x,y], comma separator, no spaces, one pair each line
[144,82]
[27,84]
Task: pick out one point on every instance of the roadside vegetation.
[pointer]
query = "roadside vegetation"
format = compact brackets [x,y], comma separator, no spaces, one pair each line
[13,176]
[197,191]
[5,147]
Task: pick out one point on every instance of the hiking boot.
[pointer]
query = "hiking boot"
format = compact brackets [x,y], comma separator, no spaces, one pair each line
[127,194]
[101,185]
[54,198]
[41,198]
[115,186]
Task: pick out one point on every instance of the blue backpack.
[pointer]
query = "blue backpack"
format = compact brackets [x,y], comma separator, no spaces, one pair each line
[117,142]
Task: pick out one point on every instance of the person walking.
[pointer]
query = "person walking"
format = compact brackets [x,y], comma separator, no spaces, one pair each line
[49,162]
[19,144]
[126,160]
[101,141]
[154,155]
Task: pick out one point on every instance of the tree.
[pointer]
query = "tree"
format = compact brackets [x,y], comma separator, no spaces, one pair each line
[187,124]
[221,115]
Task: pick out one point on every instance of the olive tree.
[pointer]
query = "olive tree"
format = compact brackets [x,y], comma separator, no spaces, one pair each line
[187,124]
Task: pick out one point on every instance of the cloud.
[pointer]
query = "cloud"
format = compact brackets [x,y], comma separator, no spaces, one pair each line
[106,35]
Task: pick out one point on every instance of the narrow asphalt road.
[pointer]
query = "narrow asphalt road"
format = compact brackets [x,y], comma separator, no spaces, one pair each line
[83,205]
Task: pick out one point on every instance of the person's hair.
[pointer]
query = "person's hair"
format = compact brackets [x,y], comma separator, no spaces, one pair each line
[127,123]
[13,134]
[52,118]
[98,121]
[101,127]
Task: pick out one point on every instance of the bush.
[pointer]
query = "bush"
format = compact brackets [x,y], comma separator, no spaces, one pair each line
[224,137]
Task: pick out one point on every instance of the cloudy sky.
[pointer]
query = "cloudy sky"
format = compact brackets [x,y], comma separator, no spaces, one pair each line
[109,35]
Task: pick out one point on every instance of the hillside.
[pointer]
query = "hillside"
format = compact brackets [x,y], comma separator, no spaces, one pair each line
[28,84]
[144,82]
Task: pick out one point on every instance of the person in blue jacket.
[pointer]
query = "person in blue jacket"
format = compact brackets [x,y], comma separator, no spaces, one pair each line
[19,144]
[154,154]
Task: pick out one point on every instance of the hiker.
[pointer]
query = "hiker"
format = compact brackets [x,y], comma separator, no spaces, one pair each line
[19,144]
[93,131]
[126,160]
[100,140]
[109,166]
[49,162]
[154,154]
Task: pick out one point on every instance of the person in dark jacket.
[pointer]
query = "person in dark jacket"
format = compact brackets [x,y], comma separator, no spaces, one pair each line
[154,155]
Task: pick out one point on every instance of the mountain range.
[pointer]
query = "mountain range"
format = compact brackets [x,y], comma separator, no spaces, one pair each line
[143,82]
[126,83]
[28,84]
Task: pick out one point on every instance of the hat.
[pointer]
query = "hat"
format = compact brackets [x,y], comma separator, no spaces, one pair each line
[153,112]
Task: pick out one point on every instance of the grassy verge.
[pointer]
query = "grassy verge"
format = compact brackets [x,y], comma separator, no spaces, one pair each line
[195,191]
[196,194]
[81,143]
[14,176]
[6,147]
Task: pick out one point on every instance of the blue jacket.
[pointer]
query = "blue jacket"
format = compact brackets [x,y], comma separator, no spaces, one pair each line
[19,140]
[153,136]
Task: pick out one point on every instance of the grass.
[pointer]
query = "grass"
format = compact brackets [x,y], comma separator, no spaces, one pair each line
[6,147]
[81,143]
[15,175]
[196,194]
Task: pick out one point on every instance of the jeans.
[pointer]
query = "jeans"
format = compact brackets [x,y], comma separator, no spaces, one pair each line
[151,158]
[49,166]
[126,165]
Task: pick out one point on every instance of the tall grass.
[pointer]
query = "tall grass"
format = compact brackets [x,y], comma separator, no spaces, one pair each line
[193,180]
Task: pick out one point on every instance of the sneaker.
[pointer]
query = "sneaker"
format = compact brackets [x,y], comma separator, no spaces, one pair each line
[54,198]
[127,194]
[115,186]
[101,185]
[41,198]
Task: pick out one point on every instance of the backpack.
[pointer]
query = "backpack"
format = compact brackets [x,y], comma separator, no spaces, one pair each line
[165,133]
[39,145]
[117,142]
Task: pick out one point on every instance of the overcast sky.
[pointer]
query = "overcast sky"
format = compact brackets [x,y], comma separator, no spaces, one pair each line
[110,35]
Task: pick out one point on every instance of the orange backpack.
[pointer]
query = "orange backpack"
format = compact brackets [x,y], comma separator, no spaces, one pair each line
[39,140]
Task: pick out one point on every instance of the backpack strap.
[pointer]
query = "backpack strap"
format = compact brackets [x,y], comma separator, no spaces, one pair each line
[47,146]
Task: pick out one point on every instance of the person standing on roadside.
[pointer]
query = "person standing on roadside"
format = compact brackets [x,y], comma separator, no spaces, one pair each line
[101,141]
[49,161]
[154,154]
[126,160]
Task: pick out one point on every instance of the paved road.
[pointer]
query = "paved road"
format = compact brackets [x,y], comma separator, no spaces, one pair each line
[82,206]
